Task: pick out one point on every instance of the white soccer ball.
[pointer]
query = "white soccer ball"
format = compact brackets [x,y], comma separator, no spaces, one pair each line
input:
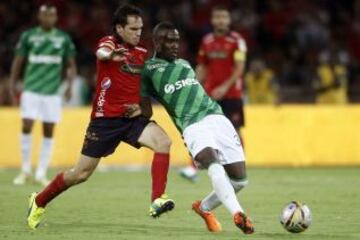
[295,217]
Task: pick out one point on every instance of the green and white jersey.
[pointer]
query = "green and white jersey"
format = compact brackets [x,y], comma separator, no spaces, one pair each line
[46,54]
[174,85]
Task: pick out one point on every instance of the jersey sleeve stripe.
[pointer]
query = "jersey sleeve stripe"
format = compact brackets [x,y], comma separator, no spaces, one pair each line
[242,45]
[190,101]
[141,49]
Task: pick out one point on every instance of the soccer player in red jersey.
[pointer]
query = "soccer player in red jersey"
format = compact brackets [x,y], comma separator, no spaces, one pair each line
[119,63]
[221,62]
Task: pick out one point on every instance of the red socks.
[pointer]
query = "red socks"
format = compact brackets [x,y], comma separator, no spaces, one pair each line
[159,171]
[52,190]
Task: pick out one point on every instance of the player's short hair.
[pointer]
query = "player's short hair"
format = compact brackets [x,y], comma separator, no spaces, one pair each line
[219,7]
[121,14]
[163,26]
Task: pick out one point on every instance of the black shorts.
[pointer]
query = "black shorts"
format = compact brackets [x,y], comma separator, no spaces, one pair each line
[103,135]
[234,111]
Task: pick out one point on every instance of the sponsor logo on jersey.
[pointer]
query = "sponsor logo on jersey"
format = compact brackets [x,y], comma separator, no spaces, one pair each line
[45,59]
[132,68]
[105,85]
[170,88]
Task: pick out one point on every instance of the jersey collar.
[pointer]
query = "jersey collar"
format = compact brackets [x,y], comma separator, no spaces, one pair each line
[222,36]
[41,30]
[162,59]
[119,40]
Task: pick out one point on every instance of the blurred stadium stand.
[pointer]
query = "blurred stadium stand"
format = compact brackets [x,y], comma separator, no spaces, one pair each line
[292,37]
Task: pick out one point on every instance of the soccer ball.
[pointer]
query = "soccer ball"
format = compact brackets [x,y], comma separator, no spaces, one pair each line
[295,217]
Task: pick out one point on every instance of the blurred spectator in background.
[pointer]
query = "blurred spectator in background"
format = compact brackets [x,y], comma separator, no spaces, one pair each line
[331,82]
[83,87]
[221,64]
[80,92]
[47,54]
[288,35]
[261,85]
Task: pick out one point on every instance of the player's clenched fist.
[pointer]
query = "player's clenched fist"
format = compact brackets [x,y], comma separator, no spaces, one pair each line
[132,110]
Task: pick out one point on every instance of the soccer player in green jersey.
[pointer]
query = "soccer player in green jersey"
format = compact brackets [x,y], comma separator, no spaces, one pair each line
[47,53]
[209,136]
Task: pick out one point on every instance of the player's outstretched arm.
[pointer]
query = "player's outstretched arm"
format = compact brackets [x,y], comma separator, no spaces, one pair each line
[105,54]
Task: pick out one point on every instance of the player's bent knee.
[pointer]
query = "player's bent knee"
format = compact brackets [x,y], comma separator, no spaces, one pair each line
[239,184]
[162,143]
[165,143]
[206,157]
[205,163]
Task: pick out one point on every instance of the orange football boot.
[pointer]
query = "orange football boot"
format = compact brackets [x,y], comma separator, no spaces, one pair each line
[244,223]
[212,223]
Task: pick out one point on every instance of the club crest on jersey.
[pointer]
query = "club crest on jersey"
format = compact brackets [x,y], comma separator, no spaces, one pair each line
[132,68]
[170,88]
[105,83]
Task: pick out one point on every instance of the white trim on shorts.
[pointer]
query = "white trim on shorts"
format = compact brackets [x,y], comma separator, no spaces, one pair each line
[217,132]
[46,108]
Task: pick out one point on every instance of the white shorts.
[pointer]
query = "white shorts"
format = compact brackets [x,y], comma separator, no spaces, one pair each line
[40,107]
[217,132]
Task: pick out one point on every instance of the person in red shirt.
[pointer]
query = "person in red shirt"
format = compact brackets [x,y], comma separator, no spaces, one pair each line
[119,63]
[221,63]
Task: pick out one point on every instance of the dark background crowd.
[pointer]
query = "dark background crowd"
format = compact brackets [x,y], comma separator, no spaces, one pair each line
[291,37]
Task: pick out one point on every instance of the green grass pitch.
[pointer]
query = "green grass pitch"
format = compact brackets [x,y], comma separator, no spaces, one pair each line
[114,205]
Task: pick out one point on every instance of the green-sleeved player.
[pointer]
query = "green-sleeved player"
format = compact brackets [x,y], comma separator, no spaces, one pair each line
[209,136]
[47,53]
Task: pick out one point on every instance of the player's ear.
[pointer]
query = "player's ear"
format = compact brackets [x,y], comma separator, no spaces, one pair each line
[119,29]
[157,45]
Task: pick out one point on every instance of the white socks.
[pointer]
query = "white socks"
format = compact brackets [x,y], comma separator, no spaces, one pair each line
[223,189]
[25,140]
[211,201]
[45,154]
